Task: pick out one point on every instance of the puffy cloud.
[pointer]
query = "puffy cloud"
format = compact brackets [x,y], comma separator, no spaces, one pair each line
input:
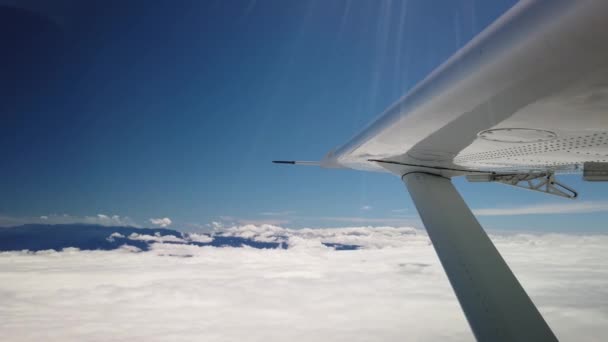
[115,236]
[366,207]
[382,291]
[155,238]
[162,222]
[106,220]
[204,238]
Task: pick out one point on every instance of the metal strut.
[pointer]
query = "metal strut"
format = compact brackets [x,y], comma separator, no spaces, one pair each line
[494,303]
[537,181]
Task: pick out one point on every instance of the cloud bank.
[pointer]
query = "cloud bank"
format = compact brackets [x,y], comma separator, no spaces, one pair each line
[543,209]
[99,219]
[391,289]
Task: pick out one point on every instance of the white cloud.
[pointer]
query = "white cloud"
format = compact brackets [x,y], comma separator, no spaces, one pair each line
[275,222]
[162,222]
[199,237]
[155,238]
[570,207]
[282,220]
[366,237]
[278,213]
[227,221]
[100,219]
[366,207]
[216,225]
[393,289]
[114,236]
[106,220]
[371,220]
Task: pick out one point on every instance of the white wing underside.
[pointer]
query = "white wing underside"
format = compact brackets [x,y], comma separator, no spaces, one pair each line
[530,93]
[526,98]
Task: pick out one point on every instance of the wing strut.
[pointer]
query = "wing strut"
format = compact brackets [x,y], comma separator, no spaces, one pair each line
[495,304]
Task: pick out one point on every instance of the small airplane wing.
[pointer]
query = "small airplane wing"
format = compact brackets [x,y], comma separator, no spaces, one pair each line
[530,93]
[524,100]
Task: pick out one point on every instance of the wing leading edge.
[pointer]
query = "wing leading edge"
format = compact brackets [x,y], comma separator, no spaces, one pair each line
[529,93]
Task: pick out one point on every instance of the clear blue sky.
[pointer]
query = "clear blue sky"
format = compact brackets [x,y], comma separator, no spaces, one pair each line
[163,109]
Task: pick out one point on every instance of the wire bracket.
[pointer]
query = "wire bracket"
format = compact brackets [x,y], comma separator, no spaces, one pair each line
[536,181]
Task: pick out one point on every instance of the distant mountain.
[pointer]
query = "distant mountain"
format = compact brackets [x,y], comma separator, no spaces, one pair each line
[37,237]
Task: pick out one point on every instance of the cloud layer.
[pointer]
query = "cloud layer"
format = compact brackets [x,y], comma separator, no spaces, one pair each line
[544,209]
[99,219]
[392,289]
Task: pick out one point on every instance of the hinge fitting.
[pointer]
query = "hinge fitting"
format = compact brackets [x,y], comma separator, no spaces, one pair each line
[537,181]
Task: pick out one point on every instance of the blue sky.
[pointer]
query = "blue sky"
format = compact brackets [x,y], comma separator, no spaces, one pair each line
[176,110]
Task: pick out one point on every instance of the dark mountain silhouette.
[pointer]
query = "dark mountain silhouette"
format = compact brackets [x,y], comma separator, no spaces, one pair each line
[37,237]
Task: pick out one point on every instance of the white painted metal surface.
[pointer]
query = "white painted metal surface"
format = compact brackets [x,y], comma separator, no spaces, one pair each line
[496,306]
[542,67]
